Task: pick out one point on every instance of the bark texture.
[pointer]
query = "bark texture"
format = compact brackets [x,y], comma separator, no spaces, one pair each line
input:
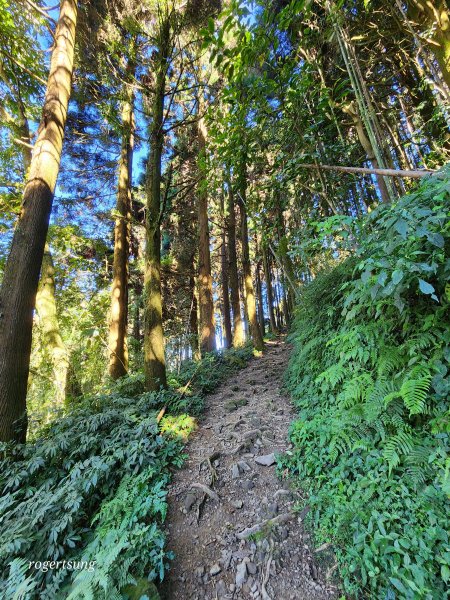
[118,350]
[268,278]
[21,275]
[48,319]
[250,302]
[154,358]
[260,300]
[227,335]
[238,329]
[207,330]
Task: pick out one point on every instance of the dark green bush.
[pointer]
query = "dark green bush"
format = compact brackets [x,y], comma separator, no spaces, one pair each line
[369,376]
[91,487]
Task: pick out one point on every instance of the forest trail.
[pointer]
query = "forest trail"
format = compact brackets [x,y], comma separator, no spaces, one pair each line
[245,419]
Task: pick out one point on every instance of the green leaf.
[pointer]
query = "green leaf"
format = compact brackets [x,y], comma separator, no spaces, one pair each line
[402,227]
[425,287]
[436,239]
[399,585]
[397,276]
[366,275]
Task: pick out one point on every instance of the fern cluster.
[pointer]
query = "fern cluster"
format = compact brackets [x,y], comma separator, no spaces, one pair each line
[92,486]
[369,376]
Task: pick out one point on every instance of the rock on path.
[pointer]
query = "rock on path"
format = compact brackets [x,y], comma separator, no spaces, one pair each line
[230,522]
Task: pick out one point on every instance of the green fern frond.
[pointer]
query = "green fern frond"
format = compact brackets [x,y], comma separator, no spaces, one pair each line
[396,446]
[414,392]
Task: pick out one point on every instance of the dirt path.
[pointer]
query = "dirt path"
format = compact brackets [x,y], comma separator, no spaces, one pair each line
[217,553]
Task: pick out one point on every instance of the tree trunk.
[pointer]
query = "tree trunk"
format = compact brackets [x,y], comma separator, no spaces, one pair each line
[21,275]
[193,317]
[48,319]
[118,350]
[238,331]
[225,290]
[260,300]
[268,278]
[137,313]
[207,330]
[154,358]
[250,303]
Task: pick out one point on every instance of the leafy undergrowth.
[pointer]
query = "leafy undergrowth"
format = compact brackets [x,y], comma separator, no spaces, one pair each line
[369,375]
[92,487]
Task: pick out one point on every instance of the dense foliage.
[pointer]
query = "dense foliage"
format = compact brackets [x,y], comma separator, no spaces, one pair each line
[91,486]
[369,376]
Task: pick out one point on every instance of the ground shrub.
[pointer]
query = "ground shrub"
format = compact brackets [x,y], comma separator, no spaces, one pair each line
[91,486]
[369,376]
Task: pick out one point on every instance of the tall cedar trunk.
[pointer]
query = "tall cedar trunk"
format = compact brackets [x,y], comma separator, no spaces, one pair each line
[21,275]
[154,358]
[193,316]
[278,312]
[137,313]
[118,349]
[238,330]
[268,278]
[207,330]
[250,303]
[45,296]
[48,319]
[260,300]
[225,289]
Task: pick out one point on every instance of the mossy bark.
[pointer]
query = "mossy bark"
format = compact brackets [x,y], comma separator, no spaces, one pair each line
[48,320]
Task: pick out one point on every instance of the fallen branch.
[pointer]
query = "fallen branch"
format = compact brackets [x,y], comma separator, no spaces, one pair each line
[283,518]
[206,490]
[417,174]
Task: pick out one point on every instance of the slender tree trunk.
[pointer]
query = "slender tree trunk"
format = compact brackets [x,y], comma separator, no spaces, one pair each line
[238,330]
[225,290]
[268,278]
[73,387]
[193,317]
[154,357]
[137,313]
[250,303]
[207,329]
[21,275]
[260,300]
[118,349]
[48,319]
[278,311]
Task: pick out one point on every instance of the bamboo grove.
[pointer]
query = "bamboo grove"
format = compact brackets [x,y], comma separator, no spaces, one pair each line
[202,142]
